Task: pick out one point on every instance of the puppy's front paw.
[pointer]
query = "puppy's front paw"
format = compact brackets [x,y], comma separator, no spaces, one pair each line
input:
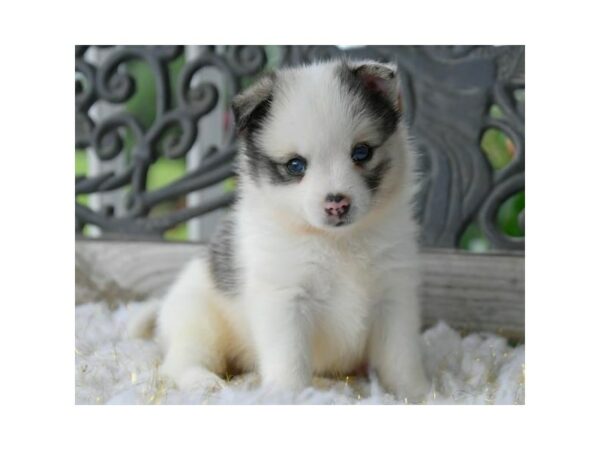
[285,384]
[200,379]
[411,391]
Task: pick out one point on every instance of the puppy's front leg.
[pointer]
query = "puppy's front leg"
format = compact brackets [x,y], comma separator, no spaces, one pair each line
[394,345]
[281,329]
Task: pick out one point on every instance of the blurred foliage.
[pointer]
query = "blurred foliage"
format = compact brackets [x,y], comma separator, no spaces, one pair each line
[519,95]
[507,220]
[81,169]
[163,172]
[508,215]
[500,150]
[474,240]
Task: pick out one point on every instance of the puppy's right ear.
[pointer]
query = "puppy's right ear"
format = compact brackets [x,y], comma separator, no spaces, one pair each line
[378,77]
[251,105]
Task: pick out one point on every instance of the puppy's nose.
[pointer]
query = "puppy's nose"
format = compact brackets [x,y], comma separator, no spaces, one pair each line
[337,205]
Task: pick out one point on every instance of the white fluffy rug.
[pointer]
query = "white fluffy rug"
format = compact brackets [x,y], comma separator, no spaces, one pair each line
[111,369]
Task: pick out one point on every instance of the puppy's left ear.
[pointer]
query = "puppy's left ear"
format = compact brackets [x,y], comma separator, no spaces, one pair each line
[253,103]
[380,78]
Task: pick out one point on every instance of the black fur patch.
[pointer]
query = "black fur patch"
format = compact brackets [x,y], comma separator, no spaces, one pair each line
[263,167]
[375,103]
[254,121]
[222,258]
[373,177]
[248,108]
[259,164]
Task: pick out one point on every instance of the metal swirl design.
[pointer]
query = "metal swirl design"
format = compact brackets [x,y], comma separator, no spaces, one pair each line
[246,59]
[172,133]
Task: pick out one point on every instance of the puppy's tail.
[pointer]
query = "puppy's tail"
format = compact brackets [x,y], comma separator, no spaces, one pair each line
[142,322]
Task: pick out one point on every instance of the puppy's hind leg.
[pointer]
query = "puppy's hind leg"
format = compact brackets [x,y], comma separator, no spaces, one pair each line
[191,330]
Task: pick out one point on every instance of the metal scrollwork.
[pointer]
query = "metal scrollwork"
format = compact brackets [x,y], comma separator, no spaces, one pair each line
[447,94]
[246,59]
[172,133]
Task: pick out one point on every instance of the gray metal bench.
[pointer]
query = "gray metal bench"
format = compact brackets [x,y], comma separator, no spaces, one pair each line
[454,97]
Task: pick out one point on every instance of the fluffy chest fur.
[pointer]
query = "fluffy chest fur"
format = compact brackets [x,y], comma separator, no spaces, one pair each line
[338,281]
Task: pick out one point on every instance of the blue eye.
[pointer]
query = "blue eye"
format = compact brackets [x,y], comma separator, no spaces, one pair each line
[296,166]
[361,153]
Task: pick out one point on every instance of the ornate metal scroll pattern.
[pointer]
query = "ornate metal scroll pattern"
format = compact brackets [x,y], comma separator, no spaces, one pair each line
[172,133]
[453,91]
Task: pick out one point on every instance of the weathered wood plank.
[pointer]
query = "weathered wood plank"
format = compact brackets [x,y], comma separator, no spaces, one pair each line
[482,292]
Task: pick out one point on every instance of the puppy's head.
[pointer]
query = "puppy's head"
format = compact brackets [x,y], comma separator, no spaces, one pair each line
[323,143]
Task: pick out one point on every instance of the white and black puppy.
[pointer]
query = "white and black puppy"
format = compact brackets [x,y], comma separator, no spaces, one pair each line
[315,271]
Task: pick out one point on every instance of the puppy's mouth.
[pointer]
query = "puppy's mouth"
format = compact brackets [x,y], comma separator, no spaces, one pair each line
[338,222]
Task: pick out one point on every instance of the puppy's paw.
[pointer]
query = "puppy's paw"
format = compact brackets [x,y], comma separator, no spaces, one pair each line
[412,391]
[200,379]
[281,392]
[289,385]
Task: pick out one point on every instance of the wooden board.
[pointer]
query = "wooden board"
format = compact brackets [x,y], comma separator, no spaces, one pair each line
[471,292]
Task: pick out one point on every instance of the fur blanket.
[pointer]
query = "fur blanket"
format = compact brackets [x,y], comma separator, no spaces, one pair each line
[111,369]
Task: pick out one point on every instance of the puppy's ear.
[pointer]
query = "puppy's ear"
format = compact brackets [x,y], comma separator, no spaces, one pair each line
[380,78]
[252,104]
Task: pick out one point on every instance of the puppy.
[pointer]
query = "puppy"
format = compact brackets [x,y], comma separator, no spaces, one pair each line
[315,272]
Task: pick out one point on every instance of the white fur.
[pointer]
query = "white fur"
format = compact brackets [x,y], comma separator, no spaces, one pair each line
[313,299]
